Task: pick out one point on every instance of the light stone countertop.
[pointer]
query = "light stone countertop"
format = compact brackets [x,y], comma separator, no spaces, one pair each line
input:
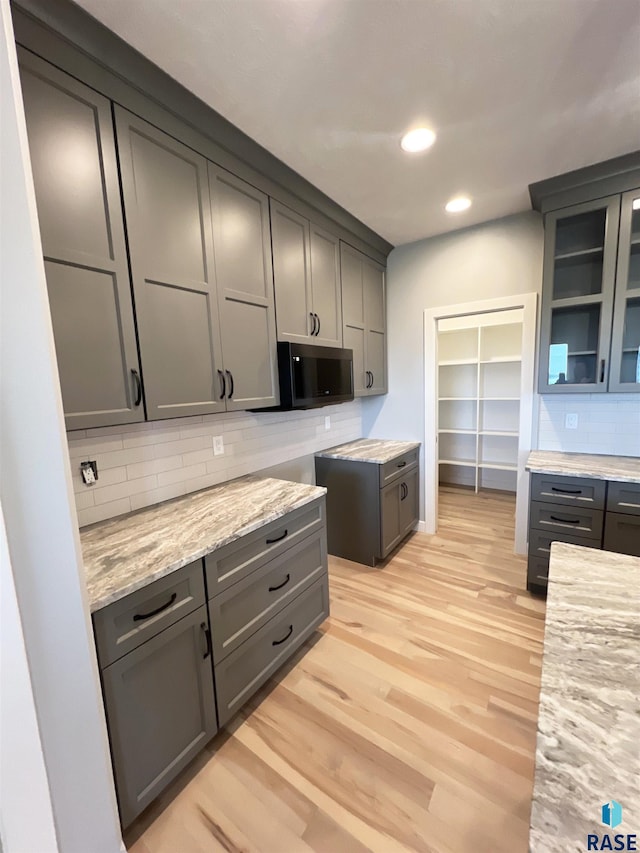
[126,553]
[588,748]
[623,469]
[369,450]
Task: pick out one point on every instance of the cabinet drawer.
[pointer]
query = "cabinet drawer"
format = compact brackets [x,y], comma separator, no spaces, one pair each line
[249,666]
[585,523]
[540,541]
[397,467]
[240,610]
[124,625]
[537,571]
[622,533]
[570,491]
[624,498]
[232,562]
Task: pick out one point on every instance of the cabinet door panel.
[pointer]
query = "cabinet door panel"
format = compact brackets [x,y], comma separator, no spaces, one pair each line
[354,340]
[390,530]
[625,341]
[168,213]
[577,296]
[160,709]
[377,362]
[373,283]
[292,274]
[352,287]
[76,183]
[325,281]
[244,278]
[409,511]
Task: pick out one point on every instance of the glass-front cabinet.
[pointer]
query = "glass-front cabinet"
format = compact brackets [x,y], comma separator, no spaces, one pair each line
[625,340]
[590,328]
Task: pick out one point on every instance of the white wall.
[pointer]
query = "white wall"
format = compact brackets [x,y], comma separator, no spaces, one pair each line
[607,423]
[142,464]
[37,503]
[500,258]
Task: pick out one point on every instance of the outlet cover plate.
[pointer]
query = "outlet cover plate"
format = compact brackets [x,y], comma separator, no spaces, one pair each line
[218,445]
[571,421]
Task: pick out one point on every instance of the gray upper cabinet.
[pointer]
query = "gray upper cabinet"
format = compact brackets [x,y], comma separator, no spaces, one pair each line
[78,199]
[364,320]
[306,267]
[168,218]
[581,244]
[625,340]
[244,277]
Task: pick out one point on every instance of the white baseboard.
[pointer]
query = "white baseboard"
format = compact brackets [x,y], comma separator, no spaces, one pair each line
[421,527]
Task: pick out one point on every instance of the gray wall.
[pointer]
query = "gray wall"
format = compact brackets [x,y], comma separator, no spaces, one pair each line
[496,259]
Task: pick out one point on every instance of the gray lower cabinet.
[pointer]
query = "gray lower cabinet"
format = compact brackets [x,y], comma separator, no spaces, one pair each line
[306,264]
[83,240]
[371,507]
[364,320]
[581,511]
[160,709]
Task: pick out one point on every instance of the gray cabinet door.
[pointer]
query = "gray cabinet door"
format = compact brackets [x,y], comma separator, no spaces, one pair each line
[290,236]
[353,315]
[325,287]
[390,531]
[168,216]
[376,362]
[78,198]
[244,278]
[580,248]
[409,511]
[373,278]
[625,339]
[160,709]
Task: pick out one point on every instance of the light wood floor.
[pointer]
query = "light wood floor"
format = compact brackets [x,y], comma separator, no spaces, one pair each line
[407,724]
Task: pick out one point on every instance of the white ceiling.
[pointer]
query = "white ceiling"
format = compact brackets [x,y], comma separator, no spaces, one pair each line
[517,90]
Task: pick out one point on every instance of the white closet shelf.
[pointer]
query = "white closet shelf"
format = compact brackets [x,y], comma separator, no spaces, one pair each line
[499,466]
[502,359]
[457,398]
[458,431]
[498,399]
[512,433]
[457,361]
[467,463]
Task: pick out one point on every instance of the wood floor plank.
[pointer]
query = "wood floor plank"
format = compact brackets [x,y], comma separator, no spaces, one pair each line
[408,722]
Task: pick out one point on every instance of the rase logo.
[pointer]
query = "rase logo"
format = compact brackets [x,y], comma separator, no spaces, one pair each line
[612,817]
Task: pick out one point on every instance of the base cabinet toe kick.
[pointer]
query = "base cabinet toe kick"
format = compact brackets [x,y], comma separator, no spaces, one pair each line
[580,511]
[179,657]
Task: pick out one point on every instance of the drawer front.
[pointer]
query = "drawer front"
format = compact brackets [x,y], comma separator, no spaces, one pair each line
[235,561]
[249,666]
[624,498]
[397,467]
[238,612]
[585,523]
[622,533]
[540,542]
[538,571]
[570,491]
[124,625]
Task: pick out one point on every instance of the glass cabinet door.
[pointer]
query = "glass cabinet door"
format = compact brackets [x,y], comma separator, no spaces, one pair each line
[625,340]
[577,296]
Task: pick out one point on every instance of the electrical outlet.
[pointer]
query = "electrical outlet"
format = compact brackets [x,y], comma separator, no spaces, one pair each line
[89,472]
[327,422]
[218,445]
[571,421]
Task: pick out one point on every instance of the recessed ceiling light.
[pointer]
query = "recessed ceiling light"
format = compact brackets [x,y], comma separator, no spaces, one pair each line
[636,204]
[418,139]
[458,204]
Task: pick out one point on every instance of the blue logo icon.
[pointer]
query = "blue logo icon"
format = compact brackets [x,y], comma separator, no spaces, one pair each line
[612,814]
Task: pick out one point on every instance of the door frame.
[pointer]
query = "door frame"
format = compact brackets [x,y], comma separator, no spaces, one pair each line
[528,302]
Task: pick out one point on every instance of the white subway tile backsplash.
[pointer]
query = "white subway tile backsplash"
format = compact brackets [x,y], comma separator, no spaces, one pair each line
[607,423]
[143,464]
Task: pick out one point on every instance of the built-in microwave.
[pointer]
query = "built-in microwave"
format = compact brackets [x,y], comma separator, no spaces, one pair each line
[312,376]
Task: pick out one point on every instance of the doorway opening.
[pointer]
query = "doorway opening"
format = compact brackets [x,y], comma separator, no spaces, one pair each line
[479,380]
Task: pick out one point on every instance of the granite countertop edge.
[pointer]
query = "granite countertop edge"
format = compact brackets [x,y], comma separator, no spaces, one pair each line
[375,451]
[99,599]
[592,466]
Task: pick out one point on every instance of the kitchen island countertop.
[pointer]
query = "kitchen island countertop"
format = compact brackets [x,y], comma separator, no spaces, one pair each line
[588,748]
[127,553]
[596,466]
[377,450]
